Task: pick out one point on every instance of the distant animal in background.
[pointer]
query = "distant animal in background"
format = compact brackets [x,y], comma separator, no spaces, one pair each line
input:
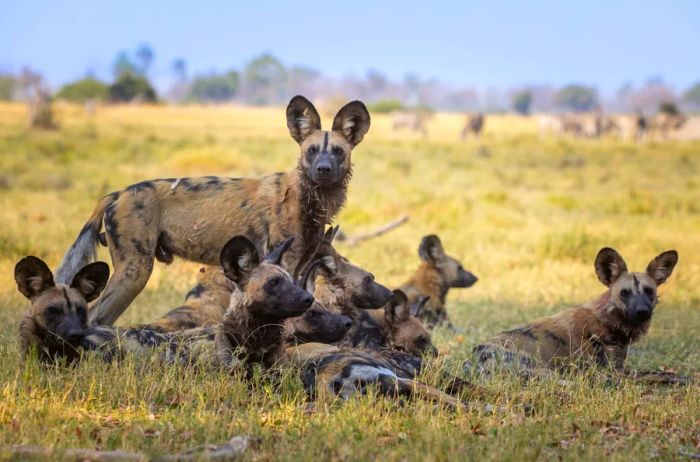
[596,333]
[665,124]
[193,217]
[415,121]
[56,322]
[473,126]
[437,274]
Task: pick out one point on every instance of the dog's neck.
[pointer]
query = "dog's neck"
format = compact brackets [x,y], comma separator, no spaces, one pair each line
[430,282]
[320,204]
[610,316]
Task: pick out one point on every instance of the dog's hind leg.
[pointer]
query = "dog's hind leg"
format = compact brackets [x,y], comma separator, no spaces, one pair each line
[132,237]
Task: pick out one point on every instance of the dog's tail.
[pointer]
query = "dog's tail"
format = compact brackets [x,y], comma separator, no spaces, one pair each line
[84,249]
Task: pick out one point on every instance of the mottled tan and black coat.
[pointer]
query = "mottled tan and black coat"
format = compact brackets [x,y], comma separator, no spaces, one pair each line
[436,275]
[598,332]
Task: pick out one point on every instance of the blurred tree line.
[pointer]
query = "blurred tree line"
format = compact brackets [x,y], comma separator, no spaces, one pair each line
[266,80]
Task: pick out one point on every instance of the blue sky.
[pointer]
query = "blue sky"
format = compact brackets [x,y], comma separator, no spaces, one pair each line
[483,44]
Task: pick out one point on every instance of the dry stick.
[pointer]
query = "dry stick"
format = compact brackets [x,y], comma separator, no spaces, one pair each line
[353,240]
[231,450]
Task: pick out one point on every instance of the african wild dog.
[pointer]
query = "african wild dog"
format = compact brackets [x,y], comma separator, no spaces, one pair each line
[192,217]
[205,304]
[395,326]
[328,370]
[55,323]
[340,285]
[437,274]
[252,330]
[598,332]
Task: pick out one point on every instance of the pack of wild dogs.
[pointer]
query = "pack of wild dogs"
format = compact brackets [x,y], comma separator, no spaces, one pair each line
[275,293]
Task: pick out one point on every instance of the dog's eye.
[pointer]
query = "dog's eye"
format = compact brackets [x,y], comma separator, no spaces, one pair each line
[338,151]
[649,292]
[312,150]
[624,293]
[55,310]
[273,283]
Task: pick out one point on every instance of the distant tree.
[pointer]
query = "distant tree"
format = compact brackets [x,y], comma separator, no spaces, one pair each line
[8,87]
[180,69]
[214,88]
[145,56]
[668,108]
[692,95]
[86,89]
[123,65]
[131,87]
[264,79]
[384,106]
[38,97]
[522,102]
[577,98]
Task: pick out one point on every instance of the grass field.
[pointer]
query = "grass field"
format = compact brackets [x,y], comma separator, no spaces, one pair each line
[526,215]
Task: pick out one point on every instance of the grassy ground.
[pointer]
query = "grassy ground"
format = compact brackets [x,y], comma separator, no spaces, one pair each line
[526,215]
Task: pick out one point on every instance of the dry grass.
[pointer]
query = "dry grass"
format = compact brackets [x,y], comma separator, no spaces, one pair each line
[526,215]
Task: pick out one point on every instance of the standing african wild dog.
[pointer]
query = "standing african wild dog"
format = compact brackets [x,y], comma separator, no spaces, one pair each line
[437,274]
[192,217]
[55,324]
[598,332]
[395,326]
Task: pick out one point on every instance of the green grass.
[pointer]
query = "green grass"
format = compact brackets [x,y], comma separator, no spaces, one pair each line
[526,215]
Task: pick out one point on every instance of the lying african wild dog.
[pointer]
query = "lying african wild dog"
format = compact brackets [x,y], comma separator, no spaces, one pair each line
[395,326]
[340,285]
[192,217]
[598,332]
[437,274]
[205,304]
[333,371]
[56,321]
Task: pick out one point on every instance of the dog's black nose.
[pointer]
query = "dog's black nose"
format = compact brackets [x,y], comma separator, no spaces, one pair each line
[75,337]
[347,323]
[308,299]
[324,167]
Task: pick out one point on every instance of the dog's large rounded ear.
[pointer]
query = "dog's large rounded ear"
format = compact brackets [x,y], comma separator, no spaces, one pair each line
[609,266]
[430,249]
[302,118]
[661,267]
[33,276]
[307,280]
[418,305]
[275,257]
[352,122]
[397,310]
[238,258]
[91,280]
